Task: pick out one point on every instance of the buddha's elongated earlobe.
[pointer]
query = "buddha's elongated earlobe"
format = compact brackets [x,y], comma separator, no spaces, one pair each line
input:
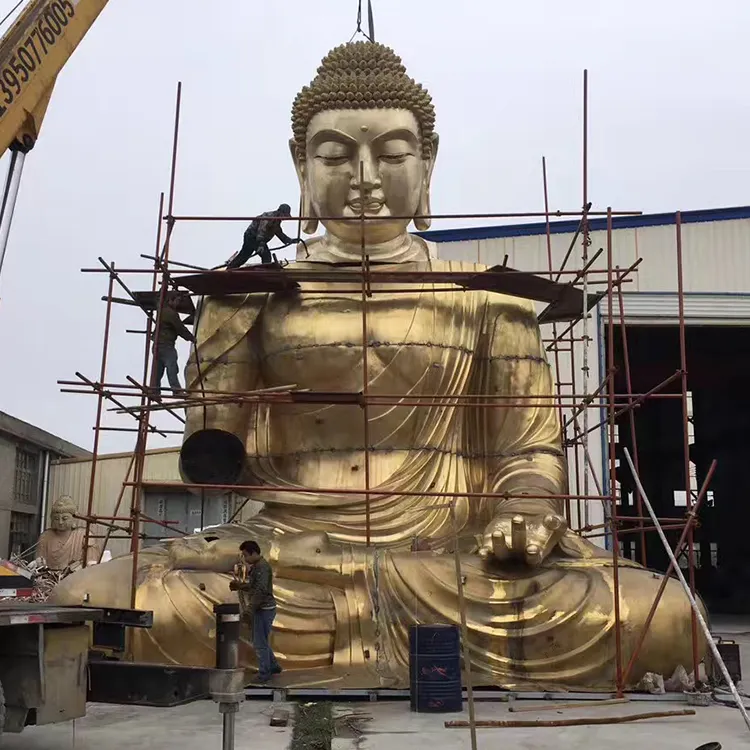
[424,209]
[310,225]
[423,222]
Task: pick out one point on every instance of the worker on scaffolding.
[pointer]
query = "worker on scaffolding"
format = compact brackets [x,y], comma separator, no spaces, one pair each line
[257,236]
[170,327]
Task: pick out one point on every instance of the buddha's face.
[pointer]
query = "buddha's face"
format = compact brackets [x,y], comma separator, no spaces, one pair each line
[61,520]
[365,161]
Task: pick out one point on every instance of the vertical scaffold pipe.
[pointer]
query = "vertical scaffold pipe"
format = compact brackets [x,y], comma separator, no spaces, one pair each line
[227,658]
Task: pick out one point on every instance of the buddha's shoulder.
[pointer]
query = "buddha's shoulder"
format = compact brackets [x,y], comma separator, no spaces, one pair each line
[240,306]
[232,312]
[498,302]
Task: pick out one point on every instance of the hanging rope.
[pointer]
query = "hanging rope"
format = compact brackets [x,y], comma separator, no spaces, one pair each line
[370,22]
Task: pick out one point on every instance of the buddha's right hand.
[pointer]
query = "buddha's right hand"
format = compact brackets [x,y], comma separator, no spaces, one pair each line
[523,536]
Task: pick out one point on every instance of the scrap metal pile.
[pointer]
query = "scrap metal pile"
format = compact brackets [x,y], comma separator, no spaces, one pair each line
[29,581]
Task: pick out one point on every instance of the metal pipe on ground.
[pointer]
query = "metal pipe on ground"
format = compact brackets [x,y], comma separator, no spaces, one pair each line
[514,724]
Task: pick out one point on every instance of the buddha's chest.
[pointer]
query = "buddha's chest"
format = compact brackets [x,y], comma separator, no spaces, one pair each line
[60,546]
[315,340]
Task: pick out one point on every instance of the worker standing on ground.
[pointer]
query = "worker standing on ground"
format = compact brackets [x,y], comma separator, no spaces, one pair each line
[165,352]
[258,607]
[259,234]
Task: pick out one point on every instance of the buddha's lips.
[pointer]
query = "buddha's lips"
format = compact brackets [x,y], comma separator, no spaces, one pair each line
[371,206]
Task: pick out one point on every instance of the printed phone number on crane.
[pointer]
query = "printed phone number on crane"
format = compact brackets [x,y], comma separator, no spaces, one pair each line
[48,29]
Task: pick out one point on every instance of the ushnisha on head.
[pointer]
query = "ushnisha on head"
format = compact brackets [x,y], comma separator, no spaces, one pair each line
[364,143]
[63,509]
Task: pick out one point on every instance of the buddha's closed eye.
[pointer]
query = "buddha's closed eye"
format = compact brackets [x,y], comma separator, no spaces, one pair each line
[333,161]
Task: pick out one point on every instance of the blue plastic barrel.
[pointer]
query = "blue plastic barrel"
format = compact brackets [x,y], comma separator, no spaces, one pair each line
[435,668]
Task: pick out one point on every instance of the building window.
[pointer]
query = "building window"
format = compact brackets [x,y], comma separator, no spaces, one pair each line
[27,471]
[684,560]
[22,535]
[691,418]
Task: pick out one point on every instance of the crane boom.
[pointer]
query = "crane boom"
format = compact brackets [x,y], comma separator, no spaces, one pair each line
[32,53]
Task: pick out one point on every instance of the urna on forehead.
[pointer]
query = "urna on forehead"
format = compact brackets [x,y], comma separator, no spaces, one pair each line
[362,76]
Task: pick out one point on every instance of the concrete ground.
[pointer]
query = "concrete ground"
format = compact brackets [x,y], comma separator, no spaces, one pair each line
[392,725]
[196,726]
[395,727]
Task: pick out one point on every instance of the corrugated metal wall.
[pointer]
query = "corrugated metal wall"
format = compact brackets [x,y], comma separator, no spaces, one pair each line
[700,308]
[73,477]
[716,255]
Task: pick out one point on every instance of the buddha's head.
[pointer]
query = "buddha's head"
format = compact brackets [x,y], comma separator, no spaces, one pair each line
[63,509]
[364,138]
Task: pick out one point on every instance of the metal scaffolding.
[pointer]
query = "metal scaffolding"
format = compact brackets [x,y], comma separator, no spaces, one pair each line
[569,298]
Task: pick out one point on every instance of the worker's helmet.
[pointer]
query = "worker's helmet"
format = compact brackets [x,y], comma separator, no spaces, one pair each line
[285,209]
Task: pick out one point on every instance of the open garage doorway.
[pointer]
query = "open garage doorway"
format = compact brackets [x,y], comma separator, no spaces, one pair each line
[718,363]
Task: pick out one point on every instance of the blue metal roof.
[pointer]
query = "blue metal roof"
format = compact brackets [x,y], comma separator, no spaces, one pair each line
[596,224]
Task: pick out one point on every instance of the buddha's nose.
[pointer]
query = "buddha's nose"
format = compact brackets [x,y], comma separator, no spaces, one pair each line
[367,174]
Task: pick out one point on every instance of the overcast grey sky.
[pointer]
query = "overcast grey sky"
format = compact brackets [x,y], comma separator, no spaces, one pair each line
[669,113]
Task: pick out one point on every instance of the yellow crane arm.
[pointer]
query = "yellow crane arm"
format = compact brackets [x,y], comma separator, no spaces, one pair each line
[32,52]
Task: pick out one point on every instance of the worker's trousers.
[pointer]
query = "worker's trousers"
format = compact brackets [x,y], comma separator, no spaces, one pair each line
[250,246]
[166,359]
[262,625]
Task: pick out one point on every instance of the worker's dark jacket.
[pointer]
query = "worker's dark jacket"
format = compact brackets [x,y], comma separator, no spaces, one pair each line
[268,226]
[170,327]
[257,592]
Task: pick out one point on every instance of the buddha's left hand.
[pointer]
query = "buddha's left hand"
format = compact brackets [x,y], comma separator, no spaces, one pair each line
[523,536]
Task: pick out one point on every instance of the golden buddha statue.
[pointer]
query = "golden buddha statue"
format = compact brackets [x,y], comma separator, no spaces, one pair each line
[538,598]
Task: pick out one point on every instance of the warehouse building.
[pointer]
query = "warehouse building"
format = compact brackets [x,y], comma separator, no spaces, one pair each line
[183,510]
[26,453]
[716,279]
